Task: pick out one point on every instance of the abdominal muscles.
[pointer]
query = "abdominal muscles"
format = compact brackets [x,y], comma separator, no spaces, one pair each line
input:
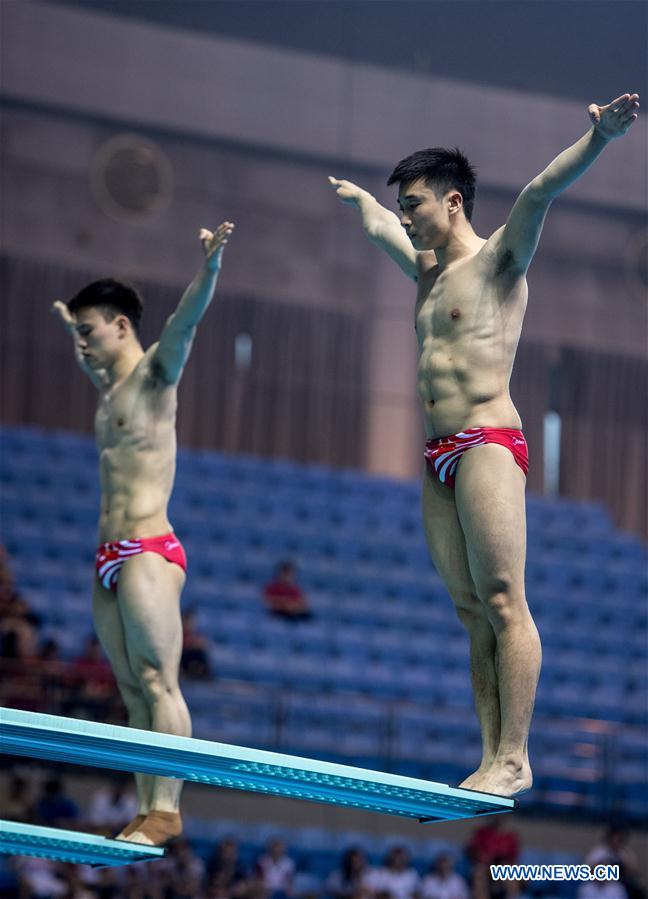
[456,395]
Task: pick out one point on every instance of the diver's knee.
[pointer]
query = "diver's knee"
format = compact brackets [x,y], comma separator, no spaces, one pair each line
[155,681]
[470,610]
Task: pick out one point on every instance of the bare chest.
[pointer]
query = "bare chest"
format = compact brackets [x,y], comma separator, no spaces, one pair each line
[117,414]
[450,304]
[468,303]
[131,414]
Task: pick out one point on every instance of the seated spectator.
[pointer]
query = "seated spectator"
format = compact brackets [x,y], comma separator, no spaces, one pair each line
[7,585]
[17,804]
[53,808]
[18,629]
[20,683]
[276,870]
[396,877]
[186,870]
[601,889]
[91,681]
[113,806]
[484,887]
[194,663]
[106,883]
[493,844]
[147,881]
[226,875]
[76,882]
[284,597]
[40,878]
[443,882]
[89,882]
[349,881]
[53,673]
[614,850]
[18,622]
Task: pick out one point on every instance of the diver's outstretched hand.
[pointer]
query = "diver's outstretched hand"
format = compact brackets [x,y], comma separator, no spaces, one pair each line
[214,243]
[614,119]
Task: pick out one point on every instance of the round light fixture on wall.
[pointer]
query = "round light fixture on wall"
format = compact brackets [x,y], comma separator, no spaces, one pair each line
[131,177]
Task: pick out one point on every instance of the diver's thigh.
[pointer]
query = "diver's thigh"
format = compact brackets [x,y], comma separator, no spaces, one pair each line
[149,591]
[489,491]
[445,537]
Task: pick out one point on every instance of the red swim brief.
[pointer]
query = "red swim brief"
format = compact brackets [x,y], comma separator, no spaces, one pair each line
[111,556]
[443,454]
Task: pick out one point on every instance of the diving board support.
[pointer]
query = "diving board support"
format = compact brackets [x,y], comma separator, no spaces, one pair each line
[70,846]
[237,767]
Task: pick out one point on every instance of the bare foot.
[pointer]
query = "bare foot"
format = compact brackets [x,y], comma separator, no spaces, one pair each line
[157,829]
[501,779]
[472,779]
[130,828]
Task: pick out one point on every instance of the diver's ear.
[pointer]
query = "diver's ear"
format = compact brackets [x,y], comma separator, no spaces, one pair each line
[455,202]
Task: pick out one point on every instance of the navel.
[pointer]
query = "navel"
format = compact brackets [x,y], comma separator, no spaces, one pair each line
[120,422]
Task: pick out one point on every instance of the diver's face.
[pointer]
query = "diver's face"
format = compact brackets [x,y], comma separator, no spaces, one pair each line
[100,341]
[423,215]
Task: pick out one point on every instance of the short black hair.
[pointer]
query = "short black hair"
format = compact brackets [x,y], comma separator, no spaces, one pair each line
[443,170]
[113,298]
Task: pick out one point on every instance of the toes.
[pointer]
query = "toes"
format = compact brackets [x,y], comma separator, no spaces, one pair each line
[140,838]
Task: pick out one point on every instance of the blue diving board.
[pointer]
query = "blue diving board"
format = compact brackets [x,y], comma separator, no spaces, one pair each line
[236,767]
[70,846]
